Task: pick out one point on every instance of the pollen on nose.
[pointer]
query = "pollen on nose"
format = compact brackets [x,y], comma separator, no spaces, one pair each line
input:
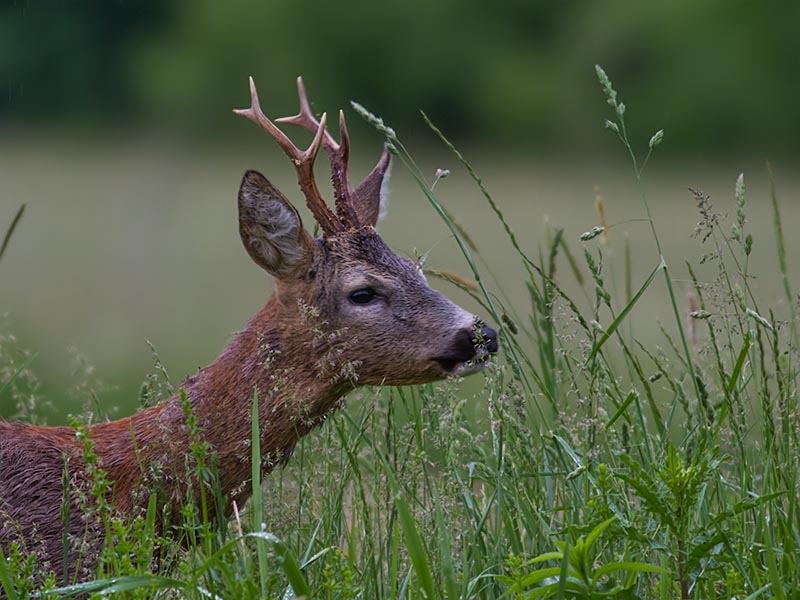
[486,337]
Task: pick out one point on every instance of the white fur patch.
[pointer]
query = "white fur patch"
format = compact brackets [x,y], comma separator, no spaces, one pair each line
[280,226]
[466,320]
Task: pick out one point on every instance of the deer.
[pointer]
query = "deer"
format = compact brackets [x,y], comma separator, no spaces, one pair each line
[345,312]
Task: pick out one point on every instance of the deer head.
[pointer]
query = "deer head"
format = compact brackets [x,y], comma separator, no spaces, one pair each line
[398,329]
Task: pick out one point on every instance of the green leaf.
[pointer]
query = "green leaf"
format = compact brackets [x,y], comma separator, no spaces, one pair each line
[539,575]
[546,556]
[627,567]
[116,585]
[562,577]
[595,533]
[5,578]
[546,591]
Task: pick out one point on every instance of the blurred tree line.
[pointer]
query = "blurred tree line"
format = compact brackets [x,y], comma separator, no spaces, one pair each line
[718,75]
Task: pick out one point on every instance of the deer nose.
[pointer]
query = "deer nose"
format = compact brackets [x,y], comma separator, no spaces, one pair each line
[484,338]
[470,349]
[490,339]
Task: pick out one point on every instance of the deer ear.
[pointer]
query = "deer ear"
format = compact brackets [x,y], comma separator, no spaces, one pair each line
[371,197]
[270,228]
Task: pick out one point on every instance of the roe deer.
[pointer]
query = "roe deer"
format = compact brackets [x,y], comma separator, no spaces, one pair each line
[346,311]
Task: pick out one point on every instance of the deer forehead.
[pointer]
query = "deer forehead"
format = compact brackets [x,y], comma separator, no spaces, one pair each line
[363,254]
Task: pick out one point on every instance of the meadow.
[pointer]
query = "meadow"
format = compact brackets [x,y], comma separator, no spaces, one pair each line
[638,437]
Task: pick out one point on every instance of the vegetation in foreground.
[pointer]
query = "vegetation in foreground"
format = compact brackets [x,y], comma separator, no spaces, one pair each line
[589,464]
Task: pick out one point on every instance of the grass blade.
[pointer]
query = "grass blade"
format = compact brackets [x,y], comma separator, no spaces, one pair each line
[778,226]
[445,554]
[737,368]
[10,231]
[632,395]
[628,567]
[257,501]
[287,563]
[17,373]
[6,583]
[624,313]
[414,544]
[116,585]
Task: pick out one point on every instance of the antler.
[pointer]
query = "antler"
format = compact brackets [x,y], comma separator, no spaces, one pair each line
[338,155]
[304,161]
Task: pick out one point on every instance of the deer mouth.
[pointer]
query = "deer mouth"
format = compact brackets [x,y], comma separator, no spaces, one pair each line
[474,364]
[472,352]
[464,366]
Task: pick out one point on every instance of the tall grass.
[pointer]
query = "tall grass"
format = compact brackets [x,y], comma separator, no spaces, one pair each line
[590,463]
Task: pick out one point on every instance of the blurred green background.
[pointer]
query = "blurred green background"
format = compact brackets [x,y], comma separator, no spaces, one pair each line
[117,133]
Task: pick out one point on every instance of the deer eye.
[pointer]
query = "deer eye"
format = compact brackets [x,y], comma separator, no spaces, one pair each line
[363,296]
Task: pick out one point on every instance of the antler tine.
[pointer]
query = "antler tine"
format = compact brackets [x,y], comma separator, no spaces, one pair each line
[257,116]
[340,174]
[345,143]
[338,154]
[303,161]
[306,119]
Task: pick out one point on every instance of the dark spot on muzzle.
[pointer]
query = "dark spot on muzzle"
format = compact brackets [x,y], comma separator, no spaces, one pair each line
[476,343]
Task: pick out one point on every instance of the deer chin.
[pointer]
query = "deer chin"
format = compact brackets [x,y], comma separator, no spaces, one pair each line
[455,367]
[473,365]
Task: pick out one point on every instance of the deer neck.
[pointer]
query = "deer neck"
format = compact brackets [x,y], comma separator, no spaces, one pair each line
[281,358]
[278,357]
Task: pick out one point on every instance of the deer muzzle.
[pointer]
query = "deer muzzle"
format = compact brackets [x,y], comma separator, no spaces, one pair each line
[471,350]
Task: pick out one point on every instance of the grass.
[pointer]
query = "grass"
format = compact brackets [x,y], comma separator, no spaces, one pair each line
[589,462]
